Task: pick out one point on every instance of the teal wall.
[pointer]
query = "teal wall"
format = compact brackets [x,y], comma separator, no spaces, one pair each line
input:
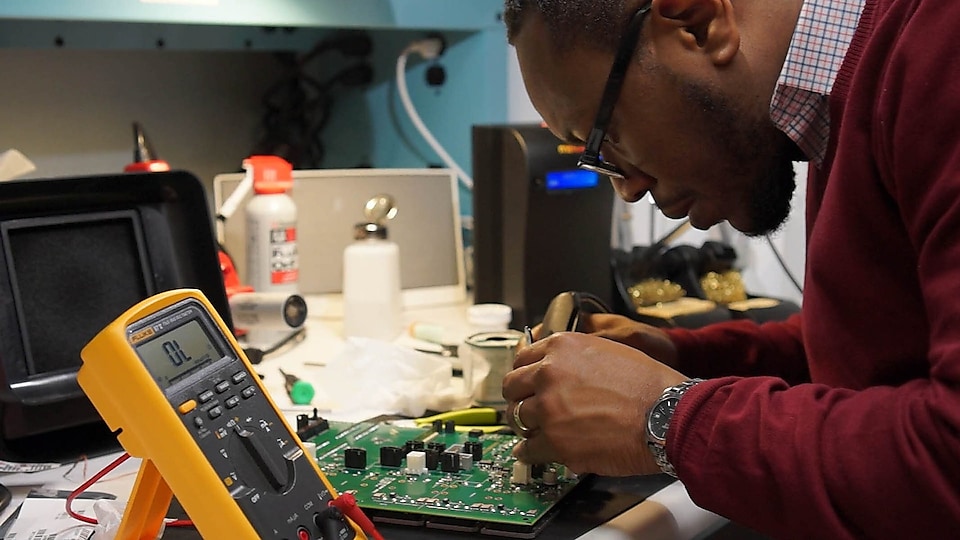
[374,128]
[368,126]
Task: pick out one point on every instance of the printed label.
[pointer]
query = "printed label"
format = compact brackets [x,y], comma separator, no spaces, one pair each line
[284,266]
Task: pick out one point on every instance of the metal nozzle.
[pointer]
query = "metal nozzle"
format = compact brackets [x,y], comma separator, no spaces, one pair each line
[142,149]
[380,208]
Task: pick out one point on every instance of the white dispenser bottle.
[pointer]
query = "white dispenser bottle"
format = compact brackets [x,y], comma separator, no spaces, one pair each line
[272,260]
[372,304]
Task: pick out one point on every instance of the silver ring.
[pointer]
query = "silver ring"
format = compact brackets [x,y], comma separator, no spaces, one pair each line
[516,419]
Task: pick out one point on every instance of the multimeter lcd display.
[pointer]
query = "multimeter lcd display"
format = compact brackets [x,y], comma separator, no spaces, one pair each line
[176,353]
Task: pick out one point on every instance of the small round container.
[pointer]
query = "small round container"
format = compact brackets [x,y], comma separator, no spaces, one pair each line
[489,317]
[497,348]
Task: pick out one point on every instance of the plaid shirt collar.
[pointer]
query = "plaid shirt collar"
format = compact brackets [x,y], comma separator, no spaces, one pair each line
[799,106]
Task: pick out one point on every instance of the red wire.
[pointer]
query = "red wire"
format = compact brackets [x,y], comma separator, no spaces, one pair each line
[346,503]
[83,487]
[93,479]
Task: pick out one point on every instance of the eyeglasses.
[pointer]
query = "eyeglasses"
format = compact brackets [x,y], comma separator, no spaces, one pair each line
[590,159]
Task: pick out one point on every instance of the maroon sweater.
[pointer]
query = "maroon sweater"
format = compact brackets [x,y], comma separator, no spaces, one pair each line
[852,428]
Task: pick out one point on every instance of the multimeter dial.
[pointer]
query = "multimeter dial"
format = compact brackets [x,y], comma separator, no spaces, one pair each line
[263,469]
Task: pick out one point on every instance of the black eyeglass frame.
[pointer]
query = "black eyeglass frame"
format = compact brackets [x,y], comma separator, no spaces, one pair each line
[590,159]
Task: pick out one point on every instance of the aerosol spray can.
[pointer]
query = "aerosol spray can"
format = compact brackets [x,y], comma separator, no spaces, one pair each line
[271,225]
[372,305]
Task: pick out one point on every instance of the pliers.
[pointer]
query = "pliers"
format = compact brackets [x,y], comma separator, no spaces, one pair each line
[485,419]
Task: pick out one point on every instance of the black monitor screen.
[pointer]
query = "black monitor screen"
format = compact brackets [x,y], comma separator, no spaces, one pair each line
[72,276]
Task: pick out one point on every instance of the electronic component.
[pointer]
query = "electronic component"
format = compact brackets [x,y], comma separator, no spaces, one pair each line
[550,477]
[433,458]
[521,473]
[466,461]
[457,482]
[416,462]
[310,426]
[474,448]
[411,446]
[355,458]
[170,377]
[391,456]
[449,462]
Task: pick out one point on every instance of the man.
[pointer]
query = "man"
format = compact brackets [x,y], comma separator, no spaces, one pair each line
[844,421]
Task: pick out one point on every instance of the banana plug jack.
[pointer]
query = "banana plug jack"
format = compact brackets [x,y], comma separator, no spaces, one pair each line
[300,391]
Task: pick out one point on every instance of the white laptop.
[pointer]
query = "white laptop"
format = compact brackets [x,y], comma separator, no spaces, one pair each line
[330,202]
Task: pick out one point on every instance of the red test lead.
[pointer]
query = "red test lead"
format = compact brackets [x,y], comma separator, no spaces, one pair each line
[347,504]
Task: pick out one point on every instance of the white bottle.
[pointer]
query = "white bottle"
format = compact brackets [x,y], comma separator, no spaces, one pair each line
[272,260]
[372,304]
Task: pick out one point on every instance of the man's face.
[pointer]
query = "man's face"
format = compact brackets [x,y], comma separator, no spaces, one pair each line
[699,151]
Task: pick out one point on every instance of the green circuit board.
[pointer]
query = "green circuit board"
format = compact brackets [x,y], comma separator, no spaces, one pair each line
[483,489]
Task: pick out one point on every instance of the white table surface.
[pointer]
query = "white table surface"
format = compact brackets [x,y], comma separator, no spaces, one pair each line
[668,514]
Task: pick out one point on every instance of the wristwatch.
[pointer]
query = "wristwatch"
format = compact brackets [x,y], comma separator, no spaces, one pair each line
[658,422]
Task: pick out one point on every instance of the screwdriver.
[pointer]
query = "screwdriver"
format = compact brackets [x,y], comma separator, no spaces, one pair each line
[300,391]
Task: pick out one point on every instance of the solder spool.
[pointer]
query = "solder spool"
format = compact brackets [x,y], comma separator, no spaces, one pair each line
[497,349]
[269,310]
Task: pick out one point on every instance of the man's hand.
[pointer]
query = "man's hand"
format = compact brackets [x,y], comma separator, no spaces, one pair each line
[585,401]
[647,338]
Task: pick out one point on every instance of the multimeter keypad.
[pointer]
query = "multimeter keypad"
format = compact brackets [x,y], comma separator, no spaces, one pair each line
[213,409]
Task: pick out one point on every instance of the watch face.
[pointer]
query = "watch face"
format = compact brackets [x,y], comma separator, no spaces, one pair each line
[659,420]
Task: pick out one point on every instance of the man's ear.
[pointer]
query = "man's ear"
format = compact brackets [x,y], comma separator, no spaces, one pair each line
[705,25]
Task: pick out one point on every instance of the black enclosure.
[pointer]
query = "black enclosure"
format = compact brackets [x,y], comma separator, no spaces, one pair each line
[75,253]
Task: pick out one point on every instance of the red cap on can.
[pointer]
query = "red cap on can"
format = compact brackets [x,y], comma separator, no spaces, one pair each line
[271,174]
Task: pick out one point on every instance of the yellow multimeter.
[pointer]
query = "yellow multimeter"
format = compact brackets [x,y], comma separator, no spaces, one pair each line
[170,376]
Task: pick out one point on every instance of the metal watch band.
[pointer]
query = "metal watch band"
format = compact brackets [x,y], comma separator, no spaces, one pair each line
[660,456]
[658,447]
